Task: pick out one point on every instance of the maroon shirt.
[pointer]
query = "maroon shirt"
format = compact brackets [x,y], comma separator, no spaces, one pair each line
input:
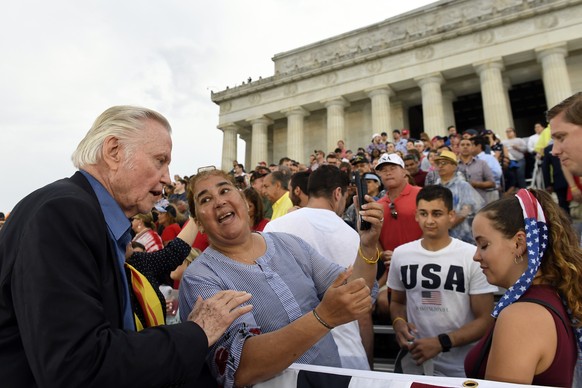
[561,371]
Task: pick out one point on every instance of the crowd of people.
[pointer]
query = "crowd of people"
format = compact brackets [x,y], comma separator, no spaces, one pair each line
[273,266]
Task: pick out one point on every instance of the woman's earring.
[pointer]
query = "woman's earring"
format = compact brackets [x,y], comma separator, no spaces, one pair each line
[518,259]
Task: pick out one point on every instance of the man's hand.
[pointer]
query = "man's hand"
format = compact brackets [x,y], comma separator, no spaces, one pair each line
[386,258]
[404,333]
[345,302]
[423,349]
[215,314]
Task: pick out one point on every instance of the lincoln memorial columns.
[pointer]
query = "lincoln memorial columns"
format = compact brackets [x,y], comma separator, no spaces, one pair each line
[432,104]
[259,139]
[228,145]
[295,146]
[381,109]
[554,73]
[335,121]
[497,110]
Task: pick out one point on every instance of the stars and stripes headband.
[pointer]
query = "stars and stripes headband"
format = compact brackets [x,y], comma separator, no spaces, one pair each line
[536,232]
[537,239]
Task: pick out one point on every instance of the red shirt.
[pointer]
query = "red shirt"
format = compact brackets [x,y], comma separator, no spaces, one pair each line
[403,228]
[261,225]
[170,232]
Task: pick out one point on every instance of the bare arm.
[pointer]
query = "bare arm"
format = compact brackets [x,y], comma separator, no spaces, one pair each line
[372,212]
[481,305]
[524,344]
[267,354]
[400,323]
[189,232]
[576,194]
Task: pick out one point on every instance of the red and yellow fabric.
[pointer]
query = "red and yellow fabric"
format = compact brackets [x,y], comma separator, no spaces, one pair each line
[147,298]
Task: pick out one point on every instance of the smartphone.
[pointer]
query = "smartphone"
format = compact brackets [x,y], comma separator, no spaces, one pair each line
[362,190]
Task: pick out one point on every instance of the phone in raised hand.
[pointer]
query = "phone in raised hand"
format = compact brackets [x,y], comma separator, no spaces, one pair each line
[362,190]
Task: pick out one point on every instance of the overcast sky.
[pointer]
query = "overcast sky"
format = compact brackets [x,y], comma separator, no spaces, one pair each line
[64,62]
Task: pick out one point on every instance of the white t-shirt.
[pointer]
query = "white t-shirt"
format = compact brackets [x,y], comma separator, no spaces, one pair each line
[327,233]
[438,286]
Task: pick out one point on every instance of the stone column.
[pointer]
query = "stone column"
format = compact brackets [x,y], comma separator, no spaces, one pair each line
[555,73]
[260,144]
[295,143]
[398,119]
[449,111]
[335,121]
[245,135]
[496,108]
[229,146]
[381,114]
[432,103]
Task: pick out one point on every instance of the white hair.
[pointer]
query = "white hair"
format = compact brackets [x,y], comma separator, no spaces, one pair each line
[125,123]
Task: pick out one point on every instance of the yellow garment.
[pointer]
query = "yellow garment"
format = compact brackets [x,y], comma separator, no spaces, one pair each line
[148,300]
[544,140]
[282,205]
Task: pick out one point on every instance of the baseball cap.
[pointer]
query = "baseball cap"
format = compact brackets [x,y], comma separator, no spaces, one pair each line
[359,159]
[405,131]
[390,159]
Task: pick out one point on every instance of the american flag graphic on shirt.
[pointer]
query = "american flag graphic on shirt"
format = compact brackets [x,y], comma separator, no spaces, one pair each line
[431,297]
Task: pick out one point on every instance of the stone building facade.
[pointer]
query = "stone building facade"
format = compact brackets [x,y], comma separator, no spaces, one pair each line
[471,63]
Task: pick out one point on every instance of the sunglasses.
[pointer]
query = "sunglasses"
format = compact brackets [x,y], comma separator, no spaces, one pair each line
[441,163]
[393,211]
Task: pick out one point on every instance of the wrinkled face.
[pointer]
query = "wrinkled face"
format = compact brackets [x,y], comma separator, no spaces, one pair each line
[495,253]
[567,143]
[434,218]
[445,168]
[271,190]
[221,210]
[138,180]
[392,175]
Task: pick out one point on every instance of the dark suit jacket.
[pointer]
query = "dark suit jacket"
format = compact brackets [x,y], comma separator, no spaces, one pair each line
[60,303]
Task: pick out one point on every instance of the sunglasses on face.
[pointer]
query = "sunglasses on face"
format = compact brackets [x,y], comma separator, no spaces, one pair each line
[393,211]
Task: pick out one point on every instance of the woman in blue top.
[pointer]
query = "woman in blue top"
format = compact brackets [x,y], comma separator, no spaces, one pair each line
[298,296]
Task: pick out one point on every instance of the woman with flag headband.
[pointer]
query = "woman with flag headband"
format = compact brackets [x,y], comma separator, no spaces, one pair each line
[526,243]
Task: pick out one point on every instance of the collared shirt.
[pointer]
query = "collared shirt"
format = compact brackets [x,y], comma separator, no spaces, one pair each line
[288,281]
[493,165]
[476,171]
[118,227]
[467,202]
[282,205]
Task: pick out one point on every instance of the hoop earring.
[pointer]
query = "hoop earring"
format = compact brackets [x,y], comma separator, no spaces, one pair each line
[518,259]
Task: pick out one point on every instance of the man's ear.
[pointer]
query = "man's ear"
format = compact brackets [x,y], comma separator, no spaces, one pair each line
[452,216]
[111,153]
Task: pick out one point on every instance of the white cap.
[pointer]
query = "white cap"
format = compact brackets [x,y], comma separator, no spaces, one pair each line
[390,159]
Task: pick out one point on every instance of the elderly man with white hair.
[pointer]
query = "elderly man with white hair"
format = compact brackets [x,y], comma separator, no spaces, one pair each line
[66,316]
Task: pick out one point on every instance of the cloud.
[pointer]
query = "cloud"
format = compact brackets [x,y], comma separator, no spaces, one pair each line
[65,62]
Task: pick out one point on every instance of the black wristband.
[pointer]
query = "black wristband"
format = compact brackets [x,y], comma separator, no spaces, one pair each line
[445,341]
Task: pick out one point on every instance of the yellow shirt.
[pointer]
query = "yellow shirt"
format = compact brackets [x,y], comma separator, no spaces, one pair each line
[282,205]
